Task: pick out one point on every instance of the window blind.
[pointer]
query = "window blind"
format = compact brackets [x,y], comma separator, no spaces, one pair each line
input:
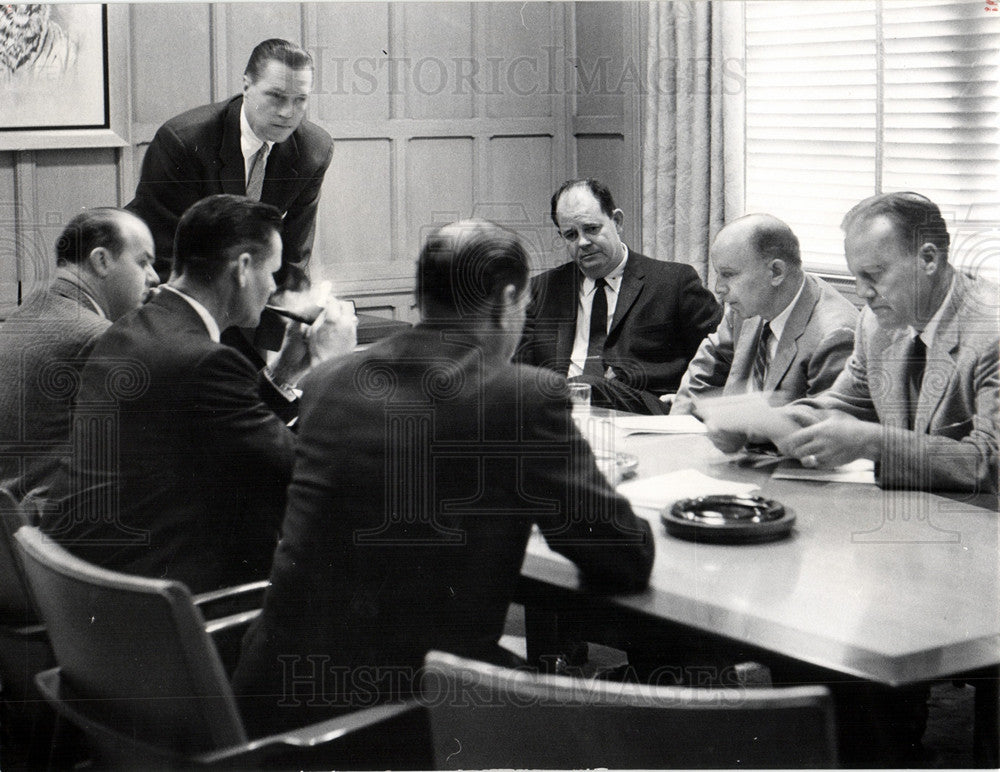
[846,99]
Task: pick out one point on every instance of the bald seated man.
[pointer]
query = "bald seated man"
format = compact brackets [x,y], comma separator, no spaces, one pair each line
[784,332]
[104,268]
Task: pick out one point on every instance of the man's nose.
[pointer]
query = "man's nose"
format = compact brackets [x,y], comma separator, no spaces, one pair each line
[151,277]
[285,108]
[863,289]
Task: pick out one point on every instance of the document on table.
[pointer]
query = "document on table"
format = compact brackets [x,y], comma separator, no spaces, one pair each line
[750,414]
[665,489]
[659,424]
[860,471]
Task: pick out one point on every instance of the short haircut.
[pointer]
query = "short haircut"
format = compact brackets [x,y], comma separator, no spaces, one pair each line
[598,188]
[277,50]
[464,267]
[217,229]
[92,228]
[915,218]
[772,239]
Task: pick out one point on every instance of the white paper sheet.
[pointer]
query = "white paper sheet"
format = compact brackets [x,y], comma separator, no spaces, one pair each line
[860,471]
[664,489]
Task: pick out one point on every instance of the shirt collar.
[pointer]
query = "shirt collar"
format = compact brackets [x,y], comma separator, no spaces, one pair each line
[613,279]
[249,142]
[210,324]
[930,329]
[777,324]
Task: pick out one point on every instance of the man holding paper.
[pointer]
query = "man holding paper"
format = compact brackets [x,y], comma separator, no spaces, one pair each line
[919,394]
[783,332]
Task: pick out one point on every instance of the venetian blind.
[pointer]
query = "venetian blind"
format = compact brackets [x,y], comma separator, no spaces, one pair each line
[846,99]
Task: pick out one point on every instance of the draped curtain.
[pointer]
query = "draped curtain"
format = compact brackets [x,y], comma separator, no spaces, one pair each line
[682,155]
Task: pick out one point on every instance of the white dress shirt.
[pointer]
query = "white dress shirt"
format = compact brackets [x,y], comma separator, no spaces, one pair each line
[249,143]
[777,326]
[585,302]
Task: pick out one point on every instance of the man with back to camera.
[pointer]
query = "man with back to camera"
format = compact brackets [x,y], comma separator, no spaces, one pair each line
[104,260]
[256,144]
[195,487]
[919,393]
[624,323]
[784,332]
[422,465]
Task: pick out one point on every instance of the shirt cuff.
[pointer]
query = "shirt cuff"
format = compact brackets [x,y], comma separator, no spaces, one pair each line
[288,392]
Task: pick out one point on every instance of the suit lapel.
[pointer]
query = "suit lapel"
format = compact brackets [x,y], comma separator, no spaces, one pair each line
[282,172]
[566,295]
[631,287]
[232,172]
[940,368]
[788,346]
[743,355]
[888,388]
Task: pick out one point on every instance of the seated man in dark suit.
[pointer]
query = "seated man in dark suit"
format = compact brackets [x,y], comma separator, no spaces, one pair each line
[423,463]
[919,395]
[620,321]
[104,260]
[258,144]
[784,332]
[182,458]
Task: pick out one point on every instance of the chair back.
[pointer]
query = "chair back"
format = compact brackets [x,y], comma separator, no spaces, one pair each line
[133,650]
[483,716]
[15,603]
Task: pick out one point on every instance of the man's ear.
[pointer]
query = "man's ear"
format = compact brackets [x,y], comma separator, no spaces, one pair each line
[930,259]
[247,82]
[508,308]
[779,270]
[618,216]
[100,260]
[242,269]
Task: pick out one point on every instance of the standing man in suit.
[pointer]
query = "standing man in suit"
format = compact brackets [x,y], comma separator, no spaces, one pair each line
[104,268]
[186,477]
[919,393]
[257,144]
[423,463]
[783,331]
[624,323]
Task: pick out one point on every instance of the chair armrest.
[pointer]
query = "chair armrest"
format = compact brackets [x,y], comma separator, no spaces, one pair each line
[233,621]
[235,591]
[31,632]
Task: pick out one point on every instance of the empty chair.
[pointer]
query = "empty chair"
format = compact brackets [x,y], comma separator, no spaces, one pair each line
[139,674]
[483,716]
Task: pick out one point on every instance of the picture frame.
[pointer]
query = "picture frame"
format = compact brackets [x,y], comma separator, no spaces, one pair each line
[100,118]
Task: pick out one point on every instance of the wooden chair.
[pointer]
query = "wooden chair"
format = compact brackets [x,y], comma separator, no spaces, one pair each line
[483,716]
[139,674]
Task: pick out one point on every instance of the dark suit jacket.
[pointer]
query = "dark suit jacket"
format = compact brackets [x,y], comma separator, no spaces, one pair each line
[662,315]
[197,154]
[815,343]
[954,443]
[183,466]
[420,470]
[43,347]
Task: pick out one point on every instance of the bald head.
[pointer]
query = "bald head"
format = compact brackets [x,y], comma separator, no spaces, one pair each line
[758,265]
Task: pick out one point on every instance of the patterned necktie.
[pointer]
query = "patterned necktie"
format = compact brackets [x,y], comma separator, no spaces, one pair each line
[598,331]
[915,365]
[760,360]
[257,167]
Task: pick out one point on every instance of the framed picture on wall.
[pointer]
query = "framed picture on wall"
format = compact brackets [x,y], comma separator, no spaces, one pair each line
[59,85]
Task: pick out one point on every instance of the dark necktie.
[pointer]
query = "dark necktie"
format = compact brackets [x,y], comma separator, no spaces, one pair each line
[762,356]
[255,185]
[598,331]
[915,364]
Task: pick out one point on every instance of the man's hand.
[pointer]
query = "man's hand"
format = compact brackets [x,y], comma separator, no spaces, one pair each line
[836,439]
[334,333]
[727,442]
[293,359]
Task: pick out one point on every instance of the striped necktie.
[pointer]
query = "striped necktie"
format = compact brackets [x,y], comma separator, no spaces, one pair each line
[255,185]
[598,331]
[761,358]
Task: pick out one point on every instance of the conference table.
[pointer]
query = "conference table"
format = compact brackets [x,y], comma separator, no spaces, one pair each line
[888,587]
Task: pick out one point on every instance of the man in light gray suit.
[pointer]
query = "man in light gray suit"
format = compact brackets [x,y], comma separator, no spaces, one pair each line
[919,393]
[783,332]
[104,261]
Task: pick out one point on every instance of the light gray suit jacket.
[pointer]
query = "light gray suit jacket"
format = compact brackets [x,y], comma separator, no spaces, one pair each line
[43,347]
[953,446]
[814,345]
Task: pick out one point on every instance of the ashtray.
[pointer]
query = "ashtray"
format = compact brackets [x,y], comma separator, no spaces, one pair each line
[728,519]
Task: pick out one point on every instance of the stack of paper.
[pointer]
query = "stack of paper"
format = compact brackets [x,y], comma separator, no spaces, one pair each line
[659,424]
[860,471]
[664,489]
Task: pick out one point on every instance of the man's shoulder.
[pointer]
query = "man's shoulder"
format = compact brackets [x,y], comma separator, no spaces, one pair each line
[833,310]
[48,314]
[208,118]
[314,140]
[660,269]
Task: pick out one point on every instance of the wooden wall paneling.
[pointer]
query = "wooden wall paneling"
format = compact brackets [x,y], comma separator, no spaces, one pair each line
[350,45]
[517,73]
[353,240]
[439,189]
[246,25]
[8,234]
[37,224]
[600,58]
[433,38]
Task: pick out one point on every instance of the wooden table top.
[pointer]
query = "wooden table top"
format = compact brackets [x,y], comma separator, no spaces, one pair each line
[895,587]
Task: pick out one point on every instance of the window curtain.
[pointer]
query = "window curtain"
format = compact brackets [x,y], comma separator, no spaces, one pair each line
[682,154]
